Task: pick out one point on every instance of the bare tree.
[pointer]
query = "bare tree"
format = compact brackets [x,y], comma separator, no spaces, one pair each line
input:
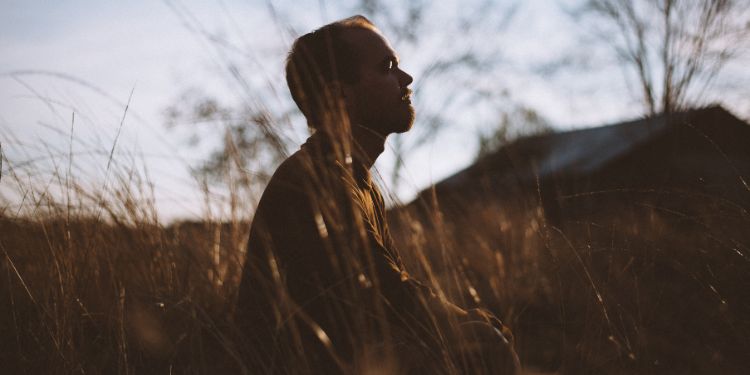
[675,48]
[512,124]
[243,157]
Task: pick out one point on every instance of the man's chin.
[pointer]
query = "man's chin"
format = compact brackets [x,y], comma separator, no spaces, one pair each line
[408,121]
[404,127]
[401,123]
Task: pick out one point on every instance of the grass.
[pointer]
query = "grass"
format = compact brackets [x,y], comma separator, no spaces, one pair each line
[94,285]
[646,284]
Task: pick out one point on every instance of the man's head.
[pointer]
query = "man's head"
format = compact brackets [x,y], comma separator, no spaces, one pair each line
[347,68]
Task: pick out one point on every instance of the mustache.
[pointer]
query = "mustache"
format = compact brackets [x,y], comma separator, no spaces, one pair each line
[406,92]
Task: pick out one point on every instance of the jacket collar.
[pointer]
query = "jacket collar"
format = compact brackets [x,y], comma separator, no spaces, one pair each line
[320,147]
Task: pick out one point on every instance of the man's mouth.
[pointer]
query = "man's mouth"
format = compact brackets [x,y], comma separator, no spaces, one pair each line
[406,97]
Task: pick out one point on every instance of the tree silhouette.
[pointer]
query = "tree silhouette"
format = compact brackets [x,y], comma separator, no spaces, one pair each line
[674,48]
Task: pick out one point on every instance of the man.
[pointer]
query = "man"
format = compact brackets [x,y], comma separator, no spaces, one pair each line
[323,289]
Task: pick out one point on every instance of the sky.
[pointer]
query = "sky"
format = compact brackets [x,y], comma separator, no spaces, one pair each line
[93,79]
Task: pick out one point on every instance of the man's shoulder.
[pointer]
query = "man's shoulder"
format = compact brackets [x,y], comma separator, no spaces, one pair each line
[292,174]
[304,167]
[287,189]
[300,172]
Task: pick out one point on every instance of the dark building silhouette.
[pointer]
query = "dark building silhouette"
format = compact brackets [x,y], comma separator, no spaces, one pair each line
[694,154]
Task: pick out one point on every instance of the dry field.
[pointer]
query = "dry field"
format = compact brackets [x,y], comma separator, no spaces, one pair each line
[105,287]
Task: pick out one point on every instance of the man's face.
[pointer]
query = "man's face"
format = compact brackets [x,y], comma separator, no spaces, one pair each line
[380,100]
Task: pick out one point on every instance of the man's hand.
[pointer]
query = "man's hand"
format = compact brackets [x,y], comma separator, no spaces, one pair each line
[480,342]
[490,344]
[486,317]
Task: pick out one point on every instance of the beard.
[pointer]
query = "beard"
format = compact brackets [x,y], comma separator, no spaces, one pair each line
[397,118]
[407,120]
[400,119]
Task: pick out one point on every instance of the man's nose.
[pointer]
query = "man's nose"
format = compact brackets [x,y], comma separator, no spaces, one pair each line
[406,79]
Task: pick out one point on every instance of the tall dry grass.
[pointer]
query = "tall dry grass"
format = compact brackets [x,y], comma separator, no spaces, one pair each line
[94,285]
[95,282]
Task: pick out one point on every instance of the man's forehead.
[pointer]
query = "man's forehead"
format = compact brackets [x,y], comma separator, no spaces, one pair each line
[369,43]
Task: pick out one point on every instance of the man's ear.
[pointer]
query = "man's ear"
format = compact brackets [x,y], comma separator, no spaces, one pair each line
[338,101]
[345,89]
[338,89]
[345,92]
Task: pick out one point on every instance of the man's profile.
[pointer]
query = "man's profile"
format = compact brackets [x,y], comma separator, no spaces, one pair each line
[323,288]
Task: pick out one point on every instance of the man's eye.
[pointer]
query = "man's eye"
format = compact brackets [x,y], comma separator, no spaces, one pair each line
[390,65]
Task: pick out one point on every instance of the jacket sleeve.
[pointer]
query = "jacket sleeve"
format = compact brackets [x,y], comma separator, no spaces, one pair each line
[412,303]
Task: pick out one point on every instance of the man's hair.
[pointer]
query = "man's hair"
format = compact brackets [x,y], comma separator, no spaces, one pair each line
[319,58]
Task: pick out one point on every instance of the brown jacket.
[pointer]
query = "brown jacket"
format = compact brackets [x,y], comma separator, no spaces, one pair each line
[323,283]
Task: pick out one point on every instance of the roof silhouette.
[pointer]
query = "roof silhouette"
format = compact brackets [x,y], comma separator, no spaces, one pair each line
[583,152]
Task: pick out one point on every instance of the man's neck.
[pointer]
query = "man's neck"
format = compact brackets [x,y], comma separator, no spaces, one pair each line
[367,145]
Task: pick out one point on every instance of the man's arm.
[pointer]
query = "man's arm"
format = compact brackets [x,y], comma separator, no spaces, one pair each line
[475,330]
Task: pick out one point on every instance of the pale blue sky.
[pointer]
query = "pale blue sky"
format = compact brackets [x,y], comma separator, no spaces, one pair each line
[116,47]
